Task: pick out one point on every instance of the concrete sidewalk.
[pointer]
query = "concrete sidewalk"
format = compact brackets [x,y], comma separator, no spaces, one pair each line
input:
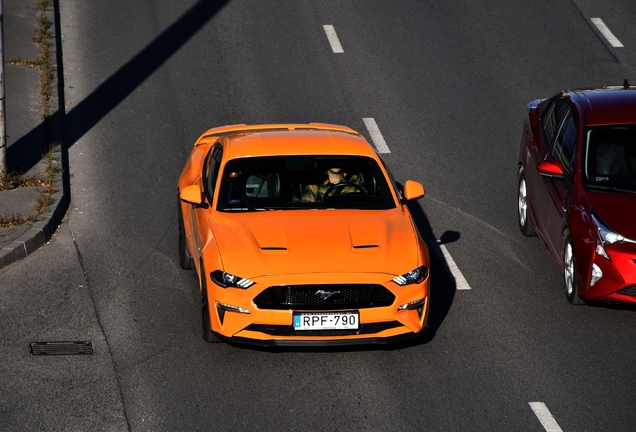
[28,135]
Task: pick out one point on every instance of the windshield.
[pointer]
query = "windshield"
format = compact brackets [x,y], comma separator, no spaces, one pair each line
[303,182]
[610,158]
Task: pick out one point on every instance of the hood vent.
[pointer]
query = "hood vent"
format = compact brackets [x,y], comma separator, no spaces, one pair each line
[365,248]
[280,250]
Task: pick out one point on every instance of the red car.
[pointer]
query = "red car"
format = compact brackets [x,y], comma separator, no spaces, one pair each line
[576,183]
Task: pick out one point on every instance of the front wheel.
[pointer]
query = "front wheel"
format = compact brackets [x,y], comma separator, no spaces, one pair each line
[522,207]
[569,271]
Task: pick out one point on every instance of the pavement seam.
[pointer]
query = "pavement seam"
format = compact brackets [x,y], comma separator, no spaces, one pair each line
[87,284]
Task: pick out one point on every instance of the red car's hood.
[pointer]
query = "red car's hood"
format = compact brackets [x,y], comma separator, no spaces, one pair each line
[316,241]
[618,210]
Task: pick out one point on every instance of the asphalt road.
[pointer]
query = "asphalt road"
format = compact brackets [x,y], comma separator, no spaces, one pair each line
[447,83]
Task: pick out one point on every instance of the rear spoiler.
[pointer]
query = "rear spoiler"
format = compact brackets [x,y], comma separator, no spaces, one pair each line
[217,132]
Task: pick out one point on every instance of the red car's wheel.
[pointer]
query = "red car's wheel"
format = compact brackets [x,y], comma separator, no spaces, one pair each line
[569,270]
[522,201]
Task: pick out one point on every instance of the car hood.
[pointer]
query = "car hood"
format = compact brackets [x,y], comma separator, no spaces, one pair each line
[618,210]
[316,241]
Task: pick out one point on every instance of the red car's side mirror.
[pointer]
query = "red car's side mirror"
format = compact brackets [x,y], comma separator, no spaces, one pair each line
[551,168]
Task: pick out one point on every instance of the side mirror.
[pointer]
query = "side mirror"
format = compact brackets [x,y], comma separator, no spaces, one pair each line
[191,195]
[413,190]
[551,168]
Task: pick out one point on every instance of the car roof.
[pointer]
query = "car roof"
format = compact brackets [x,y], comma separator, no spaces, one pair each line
[607,105]
[295,141]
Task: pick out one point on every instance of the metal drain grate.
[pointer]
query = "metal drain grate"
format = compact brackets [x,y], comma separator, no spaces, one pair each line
[62,348]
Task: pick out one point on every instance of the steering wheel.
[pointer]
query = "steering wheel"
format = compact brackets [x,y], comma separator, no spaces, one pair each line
[339,187]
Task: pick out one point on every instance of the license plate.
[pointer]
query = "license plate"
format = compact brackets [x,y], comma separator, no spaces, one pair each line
[326,320]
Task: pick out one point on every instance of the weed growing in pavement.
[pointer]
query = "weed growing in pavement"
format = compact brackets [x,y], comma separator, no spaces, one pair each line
[20,62]
[15,220]
[13,181]
[43,201]
[43,37]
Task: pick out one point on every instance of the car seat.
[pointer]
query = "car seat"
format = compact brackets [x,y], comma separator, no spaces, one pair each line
[611,160]
[263,186]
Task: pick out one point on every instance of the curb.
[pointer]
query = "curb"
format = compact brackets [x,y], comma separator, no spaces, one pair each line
[42,231]
[39,234]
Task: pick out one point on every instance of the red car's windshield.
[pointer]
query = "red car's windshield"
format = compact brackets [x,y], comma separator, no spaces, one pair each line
[610,158]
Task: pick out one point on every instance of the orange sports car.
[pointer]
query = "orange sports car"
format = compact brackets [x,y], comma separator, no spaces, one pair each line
[300,236]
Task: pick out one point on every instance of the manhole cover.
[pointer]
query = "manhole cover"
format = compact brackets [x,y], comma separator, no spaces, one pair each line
[61,348]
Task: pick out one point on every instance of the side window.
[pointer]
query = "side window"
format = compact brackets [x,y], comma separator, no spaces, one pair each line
[212,170]
[551,120]
[565,144]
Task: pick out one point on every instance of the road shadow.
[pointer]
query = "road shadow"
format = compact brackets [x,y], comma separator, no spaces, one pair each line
[611,306]
[27,151]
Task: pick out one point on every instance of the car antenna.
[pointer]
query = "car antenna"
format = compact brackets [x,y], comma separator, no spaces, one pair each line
[626,84]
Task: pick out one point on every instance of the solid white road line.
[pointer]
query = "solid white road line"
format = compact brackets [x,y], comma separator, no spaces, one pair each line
[333,39]
[545,417]
[376,136]
[600,25]
[460,281]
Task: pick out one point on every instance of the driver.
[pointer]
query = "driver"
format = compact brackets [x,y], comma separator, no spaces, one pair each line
[335,175]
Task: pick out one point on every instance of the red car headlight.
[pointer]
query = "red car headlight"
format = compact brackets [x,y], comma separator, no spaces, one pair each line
[605,235]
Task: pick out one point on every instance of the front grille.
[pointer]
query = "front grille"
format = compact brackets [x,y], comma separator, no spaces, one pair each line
[318,297]
[631,291]
[280,330]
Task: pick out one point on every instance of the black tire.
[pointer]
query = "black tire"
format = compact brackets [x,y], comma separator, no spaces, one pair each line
[569,270]
[206,327]
[522,207]
[185,259]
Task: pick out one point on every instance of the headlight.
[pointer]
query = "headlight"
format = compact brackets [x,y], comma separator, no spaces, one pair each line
[225,280]
[414,276]
[412,305]
[231,308]
[605,235]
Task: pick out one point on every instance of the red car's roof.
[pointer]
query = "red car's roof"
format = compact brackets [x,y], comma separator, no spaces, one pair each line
[608,105]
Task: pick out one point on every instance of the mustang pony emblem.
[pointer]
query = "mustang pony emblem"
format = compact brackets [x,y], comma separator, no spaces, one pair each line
[324,295]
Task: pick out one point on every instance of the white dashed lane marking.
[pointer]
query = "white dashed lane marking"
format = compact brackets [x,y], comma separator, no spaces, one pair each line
[376,135]
[330,31]
[605,31]
[545,417]
[443,254]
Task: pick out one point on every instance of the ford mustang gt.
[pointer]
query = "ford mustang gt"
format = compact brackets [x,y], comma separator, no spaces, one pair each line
[576,183]
[300,236]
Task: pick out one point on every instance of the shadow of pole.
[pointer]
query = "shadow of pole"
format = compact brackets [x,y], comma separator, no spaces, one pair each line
[118,86]
[131,75]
